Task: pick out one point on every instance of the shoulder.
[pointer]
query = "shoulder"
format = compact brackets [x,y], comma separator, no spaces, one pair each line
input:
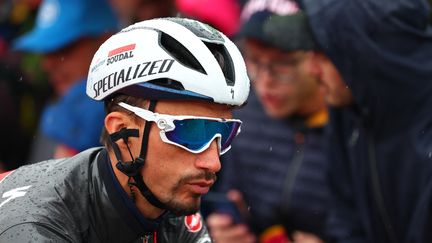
[49,172]
[46,193]
[34,232]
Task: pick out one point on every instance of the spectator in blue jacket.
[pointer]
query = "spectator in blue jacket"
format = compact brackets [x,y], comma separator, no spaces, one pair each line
[381,132]
[278,165]
[67,34]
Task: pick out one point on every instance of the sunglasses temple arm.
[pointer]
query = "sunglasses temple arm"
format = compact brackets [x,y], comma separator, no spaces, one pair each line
[145,114]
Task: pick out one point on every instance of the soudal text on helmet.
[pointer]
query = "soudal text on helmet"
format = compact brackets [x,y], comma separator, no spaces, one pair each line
[120,53]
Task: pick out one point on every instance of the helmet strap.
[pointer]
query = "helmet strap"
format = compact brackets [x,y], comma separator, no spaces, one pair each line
[132,168]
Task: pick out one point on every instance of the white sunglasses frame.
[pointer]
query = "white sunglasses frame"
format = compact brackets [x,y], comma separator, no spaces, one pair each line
[165,124]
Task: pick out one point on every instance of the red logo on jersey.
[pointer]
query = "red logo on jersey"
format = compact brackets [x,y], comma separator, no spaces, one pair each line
[193,222]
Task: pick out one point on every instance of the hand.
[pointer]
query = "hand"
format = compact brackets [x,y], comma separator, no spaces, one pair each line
[237,197]
[304,237]
[223,230]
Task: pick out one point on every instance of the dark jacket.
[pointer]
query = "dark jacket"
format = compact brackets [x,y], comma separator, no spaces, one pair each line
[80,200]
[381,155]
[279,166]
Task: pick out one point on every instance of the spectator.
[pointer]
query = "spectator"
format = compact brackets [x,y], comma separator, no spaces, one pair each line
[67,33]
[381,133]
[278,163]
[222,14]
[22,92]
[131,11]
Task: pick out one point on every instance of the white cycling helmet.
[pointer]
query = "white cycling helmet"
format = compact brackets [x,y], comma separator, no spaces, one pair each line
[169,58]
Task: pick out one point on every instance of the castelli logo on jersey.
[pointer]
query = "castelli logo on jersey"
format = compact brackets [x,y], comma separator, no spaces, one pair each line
[120,53]
[193,222]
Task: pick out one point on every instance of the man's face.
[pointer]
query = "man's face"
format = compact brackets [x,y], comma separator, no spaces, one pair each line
[68,65]
[281,80]
[138,10]
[337,92]
[155,9]
[177,177]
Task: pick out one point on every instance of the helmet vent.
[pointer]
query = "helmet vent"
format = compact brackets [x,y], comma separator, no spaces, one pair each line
[225,62]
[179,52]
[167,83]
[202,31]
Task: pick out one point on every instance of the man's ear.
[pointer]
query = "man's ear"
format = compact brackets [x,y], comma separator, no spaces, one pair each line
[115,121]
[315,63]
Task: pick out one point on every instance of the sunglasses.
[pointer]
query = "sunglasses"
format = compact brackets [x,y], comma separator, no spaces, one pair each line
[192,133]
[282,71]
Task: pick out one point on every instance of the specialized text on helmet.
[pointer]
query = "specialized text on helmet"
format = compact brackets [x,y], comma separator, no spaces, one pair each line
[131,73]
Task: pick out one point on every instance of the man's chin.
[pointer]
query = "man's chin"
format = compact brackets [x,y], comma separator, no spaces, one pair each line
[334,102]
[184,207]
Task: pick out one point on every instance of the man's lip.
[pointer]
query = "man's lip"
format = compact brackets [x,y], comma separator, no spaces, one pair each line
[202,183]
[201,187]
[270,99]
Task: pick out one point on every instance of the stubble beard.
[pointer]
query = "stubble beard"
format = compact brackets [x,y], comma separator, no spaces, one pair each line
[179,207]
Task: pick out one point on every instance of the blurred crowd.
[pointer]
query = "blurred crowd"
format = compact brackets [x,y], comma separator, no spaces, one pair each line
[24,89]
[329,134]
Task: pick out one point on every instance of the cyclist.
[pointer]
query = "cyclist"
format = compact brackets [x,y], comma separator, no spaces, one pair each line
[169,86]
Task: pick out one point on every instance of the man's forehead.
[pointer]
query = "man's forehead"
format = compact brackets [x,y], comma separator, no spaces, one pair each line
[194,108]
[257,48]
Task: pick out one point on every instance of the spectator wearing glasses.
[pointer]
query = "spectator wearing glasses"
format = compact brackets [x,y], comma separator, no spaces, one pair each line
[169,86]
[278,165]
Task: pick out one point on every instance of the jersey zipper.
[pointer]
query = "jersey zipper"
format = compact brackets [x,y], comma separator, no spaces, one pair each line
[294,168]
[146,238]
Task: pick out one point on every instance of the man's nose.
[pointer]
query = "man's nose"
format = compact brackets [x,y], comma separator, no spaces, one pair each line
[265,76]
[209,158]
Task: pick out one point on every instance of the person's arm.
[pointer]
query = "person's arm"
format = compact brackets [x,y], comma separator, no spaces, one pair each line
[35,233]
[344,223]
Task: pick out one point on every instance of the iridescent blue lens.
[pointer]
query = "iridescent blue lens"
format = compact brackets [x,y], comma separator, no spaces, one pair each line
[195,134]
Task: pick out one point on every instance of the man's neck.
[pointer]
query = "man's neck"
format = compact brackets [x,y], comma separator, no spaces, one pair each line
[148,210]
